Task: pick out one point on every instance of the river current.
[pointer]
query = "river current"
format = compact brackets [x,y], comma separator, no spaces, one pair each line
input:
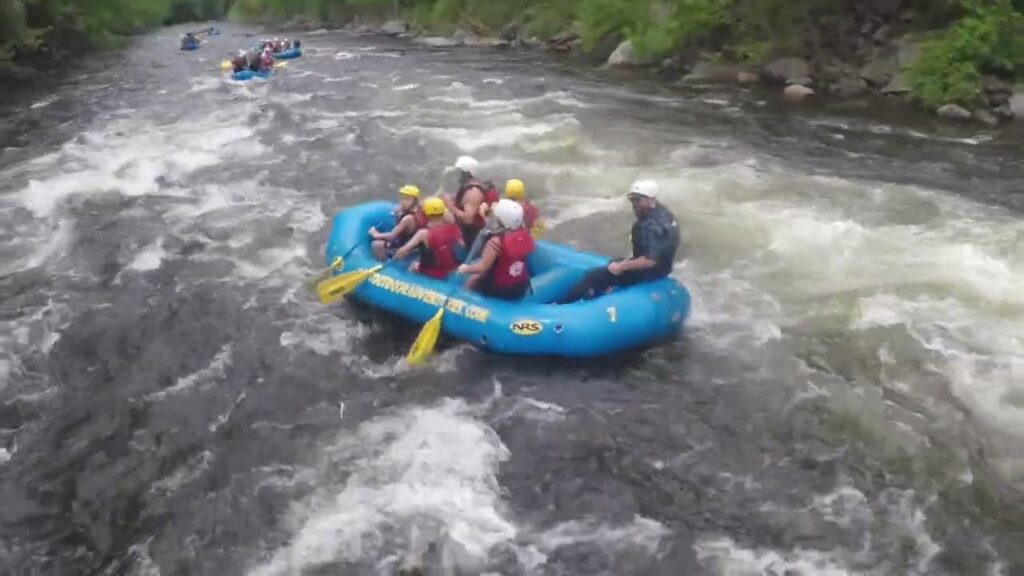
[846,399]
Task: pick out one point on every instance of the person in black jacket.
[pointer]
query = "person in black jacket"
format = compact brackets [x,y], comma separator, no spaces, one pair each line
[655,239]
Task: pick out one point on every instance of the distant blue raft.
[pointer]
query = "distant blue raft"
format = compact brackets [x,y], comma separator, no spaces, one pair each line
[632,317]
[249,75]
[288,54]
[190,46]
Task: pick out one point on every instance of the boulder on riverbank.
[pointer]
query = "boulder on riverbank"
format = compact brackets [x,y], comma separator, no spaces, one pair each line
[624,55]
[953,112]
[880,71]
[1016,103]
[716,71]
[394,27]
[900,84]
[796,92]
[785,70]
[437,41]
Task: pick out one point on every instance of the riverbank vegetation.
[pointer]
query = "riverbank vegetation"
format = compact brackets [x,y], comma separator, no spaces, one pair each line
[937,51]
[954,44]
[52,30]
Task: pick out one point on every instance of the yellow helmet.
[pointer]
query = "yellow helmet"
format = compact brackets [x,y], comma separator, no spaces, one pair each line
[410,191]
[515,189]
[433,207]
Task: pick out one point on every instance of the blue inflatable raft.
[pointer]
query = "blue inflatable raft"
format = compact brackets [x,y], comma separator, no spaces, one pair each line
[628,318]
[190,46]
[288,54]
[249,75]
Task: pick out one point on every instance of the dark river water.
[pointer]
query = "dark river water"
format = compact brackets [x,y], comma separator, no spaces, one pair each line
[846,399]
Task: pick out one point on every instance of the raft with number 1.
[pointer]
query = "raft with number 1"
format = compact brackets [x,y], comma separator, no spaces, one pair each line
[628,318]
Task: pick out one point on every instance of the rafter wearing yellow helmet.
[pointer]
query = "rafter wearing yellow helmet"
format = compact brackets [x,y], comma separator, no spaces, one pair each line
[515,189]
[408,219]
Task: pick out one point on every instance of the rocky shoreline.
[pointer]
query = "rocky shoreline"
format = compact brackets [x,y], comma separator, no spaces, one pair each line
[883,71]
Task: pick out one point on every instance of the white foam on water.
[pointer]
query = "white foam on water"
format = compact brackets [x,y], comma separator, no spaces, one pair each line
[144,564]
[642,533]
[462,97]
[326,336]
[846,506]
[35,332]
[149,258]
[44,102]
[438,463]
[422,476]
[188,472]
[25,240]
[882,525]
[128,158]
[267,262]
[725,557]
[204,84]
[534,410]
[215,370]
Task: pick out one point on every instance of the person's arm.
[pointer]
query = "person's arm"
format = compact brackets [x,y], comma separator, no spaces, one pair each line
[417,239]
[404,224]
[644,260]
[641,263]
[486,259]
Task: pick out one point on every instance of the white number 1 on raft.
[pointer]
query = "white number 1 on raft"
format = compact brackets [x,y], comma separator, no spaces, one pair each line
[611,313]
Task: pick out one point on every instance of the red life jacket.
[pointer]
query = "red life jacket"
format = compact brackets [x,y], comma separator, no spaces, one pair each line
[510,269]
[438,259]
[421,218]
[530,214]
[418,216]
[491,196]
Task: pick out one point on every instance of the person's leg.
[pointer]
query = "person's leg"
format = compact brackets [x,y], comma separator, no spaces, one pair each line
[379,248]
[476,248]
[595,282]
[474,282]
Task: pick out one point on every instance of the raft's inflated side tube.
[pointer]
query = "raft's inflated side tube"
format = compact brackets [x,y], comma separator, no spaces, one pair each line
[288,54]
[190,46]
[249,75]
[629,318]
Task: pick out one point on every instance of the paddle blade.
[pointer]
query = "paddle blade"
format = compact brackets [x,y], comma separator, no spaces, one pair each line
[225,64]
[537,232]
[337,264]
[332,289]
[280,64]
[425,342]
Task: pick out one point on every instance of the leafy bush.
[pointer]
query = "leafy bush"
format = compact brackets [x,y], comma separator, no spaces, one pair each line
[989,39]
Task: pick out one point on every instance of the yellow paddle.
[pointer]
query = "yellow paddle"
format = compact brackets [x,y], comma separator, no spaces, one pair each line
[320,276]
[427,338]
[332,289]
[537,232]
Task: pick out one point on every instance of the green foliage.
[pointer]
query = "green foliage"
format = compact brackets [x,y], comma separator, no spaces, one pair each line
[32,26]
[973,38]
[602,18]
[988,39]
[667,25]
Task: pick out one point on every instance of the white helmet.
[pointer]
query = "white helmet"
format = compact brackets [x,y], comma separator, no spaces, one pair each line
[466,163]
[648,188]
[509,213]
